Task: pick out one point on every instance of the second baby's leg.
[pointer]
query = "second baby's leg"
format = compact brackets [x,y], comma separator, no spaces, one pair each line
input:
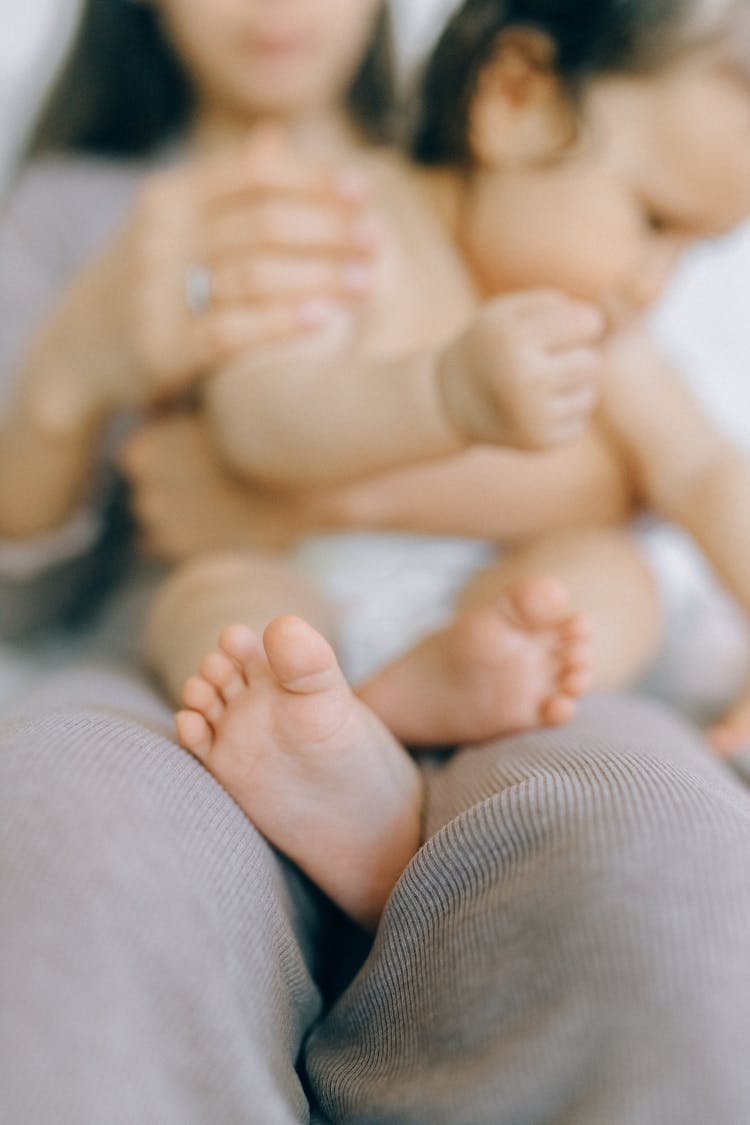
[607,579]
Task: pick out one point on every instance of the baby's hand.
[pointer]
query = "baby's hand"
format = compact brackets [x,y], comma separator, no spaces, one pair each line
[526,372]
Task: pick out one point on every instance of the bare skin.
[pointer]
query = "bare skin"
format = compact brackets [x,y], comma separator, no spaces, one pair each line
[314,765]
[314,769]
[512,663]
[625,631]
[606,224]
[732,735]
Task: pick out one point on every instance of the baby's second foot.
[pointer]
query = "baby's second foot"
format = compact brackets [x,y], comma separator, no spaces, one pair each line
[731,736]
[312,767]
[517,663]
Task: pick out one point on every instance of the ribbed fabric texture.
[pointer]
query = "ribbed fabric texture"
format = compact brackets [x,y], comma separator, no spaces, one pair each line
[570,946]
[155,962]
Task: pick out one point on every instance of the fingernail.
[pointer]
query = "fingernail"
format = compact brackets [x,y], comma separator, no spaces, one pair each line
[315,312]
[357,277]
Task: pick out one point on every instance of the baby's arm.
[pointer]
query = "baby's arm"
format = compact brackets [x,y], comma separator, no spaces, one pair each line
[503,494]
[523,374]
[682,464]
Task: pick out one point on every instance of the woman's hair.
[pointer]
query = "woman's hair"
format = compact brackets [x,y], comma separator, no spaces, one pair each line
[590,38]
[123,90]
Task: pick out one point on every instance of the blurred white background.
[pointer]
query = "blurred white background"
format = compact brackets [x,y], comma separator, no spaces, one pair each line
[35,35]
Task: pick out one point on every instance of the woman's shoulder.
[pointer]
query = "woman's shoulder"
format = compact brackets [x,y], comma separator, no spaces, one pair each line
[64,186]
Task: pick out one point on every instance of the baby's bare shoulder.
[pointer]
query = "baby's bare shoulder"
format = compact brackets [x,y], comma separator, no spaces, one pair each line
[423,295]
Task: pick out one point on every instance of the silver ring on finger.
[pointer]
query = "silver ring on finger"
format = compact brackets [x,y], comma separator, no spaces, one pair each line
[198,288]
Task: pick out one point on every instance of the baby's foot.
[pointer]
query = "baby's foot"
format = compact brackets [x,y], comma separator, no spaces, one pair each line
[508,666]
[312,767]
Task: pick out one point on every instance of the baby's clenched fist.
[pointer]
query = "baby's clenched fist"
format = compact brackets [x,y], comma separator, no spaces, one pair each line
[526,372]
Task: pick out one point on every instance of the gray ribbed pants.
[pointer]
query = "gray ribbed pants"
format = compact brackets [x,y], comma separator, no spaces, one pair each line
[571,945]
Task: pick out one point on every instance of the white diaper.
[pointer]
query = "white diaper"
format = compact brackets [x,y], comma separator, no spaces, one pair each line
[705,656]
[389,589]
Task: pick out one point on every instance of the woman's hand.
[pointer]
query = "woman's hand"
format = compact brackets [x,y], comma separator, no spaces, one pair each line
[219,255]
[238,251]
[280,242]
[185,503]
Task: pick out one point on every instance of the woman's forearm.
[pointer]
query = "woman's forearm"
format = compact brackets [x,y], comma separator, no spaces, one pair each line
[66,390]
[46,454]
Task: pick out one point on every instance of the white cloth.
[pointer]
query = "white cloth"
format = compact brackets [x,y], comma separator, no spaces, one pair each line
[389,589]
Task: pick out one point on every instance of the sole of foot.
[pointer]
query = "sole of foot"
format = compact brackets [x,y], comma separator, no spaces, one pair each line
[313,768]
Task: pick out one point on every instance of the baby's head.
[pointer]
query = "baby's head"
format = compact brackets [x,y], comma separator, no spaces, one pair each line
[594,139]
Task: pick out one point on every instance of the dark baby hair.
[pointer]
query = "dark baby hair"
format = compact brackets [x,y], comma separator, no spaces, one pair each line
[124,92]
[590,38]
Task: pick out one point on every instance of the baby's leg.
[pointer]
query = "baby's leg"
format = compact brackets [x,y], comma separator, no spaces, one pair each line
[607,579]
[515,660]
[313,768]
[203,596]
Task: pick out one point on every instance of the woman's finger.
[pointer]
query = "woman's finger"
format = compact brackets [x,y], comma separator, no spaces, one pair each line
[226,332]
[200,341]
[268,164]
[292,225]
[267,277]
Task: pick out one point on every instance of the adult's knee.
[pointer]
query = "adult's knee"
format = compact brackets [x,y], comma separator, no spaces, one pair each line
[147,928]
[570,942]
[625,753]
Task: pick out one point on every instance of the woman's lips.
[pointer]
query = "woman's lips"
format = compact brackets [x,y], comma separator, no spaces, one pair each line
[274,46]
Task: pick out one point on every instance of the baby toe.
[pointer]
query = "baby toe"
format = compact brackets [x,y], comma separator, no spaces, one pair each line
[557,710]
[199,695]
[577,627]
[576,682]
[193,733]
[538,602]
[225,675]
[243,646]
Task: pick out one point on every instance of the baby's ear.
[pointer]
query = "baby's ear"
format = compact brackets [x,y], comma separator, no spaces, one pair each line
[520,113]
